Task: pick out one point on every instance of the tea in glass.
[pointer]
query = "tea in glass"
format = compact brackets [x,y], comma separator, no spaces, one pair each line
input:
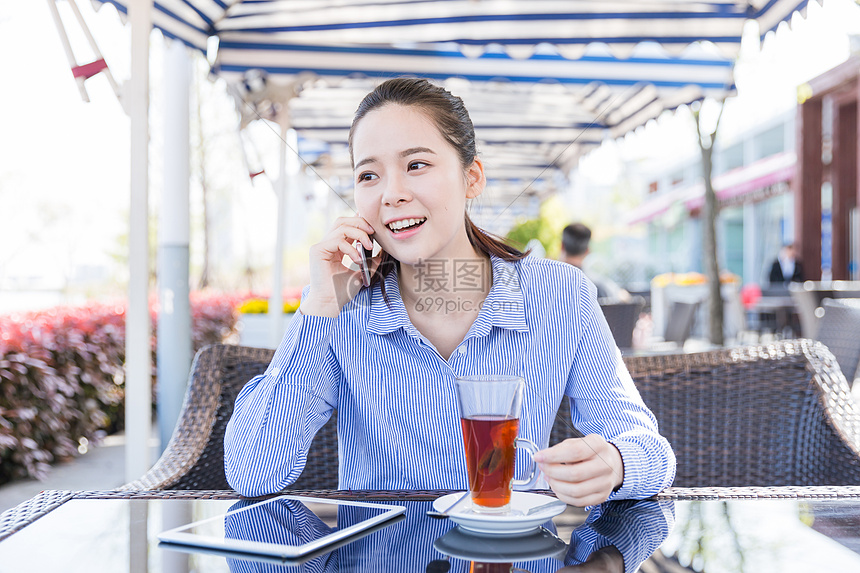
[490,453]
[490,419]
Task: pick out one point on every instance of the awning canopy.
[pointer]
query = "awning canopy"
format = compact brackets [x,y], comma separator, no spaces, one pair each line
[544,80]
[569,25]
[533,118]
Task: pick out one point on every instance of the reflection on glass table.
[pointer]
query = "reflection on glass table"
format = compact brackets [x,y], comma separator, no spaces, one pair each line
[810,529]
[765,535]
[419,543]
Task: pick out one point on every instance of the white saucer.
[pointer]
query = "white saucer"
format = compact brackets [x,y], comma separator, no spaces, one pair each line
[513,523]
[536,544]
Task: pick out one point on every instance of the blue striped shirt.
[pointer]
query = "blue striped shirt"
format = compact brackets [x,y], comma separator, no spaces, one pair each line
[398,417]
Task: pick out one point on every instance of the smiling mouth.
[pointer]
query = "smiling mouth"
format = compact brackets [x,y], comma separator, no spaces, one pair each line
[406,225]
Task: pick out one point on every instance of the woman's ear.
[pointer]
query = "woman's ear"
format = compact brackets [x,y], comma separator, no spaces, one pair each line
[475,179]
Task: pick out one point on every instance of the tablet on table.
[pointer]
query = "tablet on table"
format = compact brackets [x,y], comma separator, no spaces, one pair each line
[283,527]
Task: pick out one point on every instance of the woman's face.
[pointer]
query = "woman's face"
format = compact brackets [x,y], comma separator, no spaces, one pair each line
[411,187]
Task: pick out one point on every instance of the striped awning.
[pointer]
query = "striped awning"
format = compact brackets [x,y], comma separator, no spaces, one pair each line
[474,25]
[533,118]
[544,80]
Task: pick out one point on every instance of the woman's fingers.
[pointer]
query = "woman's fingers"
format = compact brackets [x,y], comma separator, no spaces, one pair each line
[580,480]
[333,247]
[332,285]
[580,494]
[582,471]
[576,471]
[353,223]
[349,235]
[571,450]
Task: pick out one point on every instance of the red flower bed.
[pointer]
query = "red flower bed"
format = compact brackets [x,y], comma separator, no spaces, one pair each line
[61,376]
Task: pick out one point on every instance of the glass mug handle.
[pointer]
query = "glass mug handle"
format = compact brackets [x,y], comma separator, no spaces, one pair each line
[532,449]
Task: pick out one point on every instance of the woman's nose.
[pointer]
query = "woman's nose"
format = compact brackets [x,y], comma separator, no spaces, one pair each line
[396,192]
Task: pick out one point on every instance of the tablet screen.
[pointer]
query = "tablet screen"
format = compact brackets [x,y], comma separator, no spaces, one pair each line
[284,527]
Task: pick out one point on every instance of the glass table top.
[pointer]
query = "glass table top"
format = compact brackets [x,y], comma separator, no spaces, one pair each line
[758,535]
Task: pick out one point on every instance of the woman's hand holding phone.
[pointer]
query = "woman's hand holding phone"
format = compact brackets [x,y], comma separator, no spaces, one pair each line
[332,284]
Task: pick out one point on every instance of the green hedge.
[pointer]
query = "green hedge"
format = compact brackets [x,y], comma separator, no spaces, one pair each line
[61,377]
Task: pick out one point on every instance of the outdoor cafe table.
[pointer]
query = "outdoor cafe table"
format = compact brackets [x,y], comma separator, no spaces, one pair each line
[782,308]
[723,529]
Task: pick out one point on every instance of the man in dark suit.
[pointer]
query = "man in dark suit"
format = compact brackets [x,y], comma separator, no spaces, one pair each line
[786,268]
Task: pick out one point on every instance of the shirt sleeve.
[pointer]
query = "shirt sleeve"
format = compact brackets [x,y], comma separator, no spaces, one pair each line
[604,400]
[278,413]
[636,528]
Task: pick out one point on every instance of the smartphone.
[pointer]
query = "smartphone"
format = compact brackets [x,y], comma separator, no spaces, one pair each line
[364,264]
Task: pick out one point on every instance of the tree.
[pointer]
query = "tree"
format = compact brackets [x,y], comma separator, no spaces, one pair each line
[205,273]
[546,227]
[710,212]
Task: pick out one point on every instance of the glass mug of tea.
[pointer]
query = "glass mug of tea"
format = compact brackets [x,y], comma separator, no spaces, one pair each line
[490,416]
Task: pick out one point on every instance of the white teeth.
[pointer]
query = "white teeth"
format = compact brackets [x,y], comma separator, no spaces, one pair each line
[397,225]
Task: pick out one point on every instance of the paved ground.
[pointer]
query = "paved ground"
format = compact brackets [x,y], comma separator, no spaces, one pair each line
[102,467]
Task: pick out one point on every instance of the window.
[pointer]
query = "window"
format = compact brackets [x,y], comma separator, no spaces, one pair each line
[769,142]
[729,158]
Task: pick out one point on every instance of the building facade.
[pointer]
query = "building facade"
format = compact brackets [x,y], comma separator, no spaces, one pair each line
[752,177]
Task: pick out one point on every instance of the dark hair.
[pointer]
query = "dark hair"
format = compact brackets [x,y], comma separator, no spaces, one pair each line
[575,238]
[451,117]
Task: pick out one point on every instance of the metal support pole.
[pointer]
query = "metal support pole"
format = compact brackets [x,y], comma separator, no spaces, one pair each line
[276,298]
[138,362]
[138,526]
[174,317]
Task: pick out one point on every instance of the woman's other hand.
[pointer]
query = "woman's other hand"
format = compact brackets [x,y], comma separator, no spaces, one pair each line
[582,471]
[332,284]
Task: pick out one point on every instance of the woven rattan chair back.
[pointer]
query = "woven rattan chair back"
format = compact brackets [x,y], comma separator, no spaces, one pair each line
[806,302]
[839,330]
[682,316]
[773,415]
[622,317]
[194,457]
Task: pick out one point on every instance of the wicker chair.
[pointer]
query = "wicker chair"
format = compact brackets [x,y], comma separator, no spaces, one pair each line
[806,301]
[194,457]
[679,325]
[773,415]
[622,317]
[839,330]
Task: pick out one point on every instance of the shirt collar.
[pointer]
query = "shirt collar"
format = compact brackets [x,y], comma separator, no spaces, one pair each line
[384,319]
[503,308]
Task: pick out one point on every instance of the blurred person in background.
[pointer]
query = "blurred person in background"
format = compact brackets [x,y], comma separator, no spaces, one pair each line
[574,250]
[786,268]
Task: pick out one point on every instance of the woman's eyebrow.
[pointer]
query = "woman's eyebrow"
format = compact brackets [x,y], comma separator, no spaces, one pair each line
[364,161]
[404,153]
[414,150]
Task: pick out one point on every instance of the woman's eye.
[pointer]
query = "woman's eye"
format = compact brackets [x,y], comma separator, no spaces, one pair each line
[416,165]
[367,176]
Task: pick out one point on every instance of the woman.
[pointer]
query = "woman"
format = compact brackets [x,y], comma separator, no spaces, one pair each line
[446,299]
